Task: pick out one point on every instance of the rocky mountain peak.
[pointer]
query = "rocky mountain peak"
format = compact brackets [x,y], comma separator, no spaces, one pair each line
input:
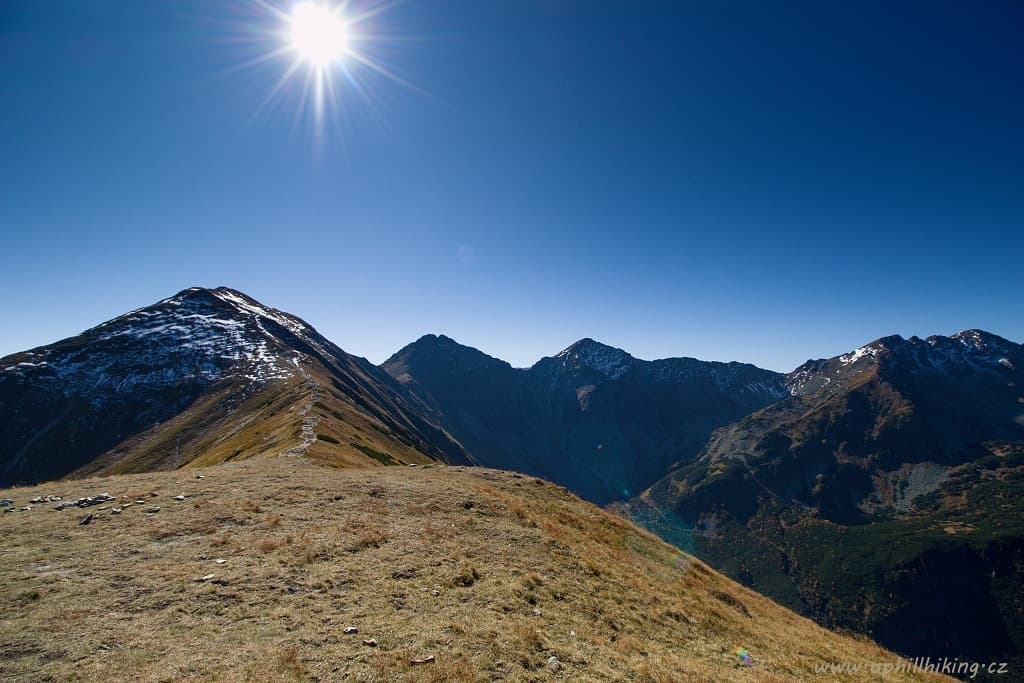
[436,351]
[967,351]
[587,354]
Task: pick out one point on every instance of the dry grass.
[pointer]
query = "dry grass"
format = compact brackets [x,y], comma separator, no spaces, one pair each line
[488,572]
[214,430]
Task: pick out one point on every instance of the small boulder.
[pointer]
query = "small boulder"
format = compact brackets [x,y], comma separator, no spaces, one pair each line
[85,520]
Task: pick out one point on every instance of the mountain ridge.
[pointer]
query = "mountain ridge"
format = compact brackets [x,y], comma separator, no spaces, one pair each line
[591,417]
[894,467]
[918,442]
[230,376]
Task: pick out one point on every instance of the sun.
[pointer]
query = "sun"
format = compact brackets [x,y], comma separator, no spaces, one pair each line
[318,34]
[332,55]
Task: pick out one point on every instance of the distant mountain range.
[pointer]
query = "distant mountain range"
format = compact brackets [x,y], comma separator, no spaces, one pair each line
[880,491]
[592,418]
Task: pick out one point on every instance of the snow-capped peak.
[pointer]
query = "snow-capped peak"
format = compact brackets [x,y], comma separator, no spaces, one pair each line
[198,335]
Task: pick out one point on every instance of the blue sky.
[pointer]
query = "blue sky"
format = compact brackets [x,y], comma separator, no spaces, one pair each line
[765,182]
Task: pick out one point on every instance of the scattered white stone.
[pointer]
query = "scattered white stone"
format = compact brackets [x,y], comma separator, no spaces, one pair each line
[220,561]
[554,664]
[537,613]
[351,629]
[115,511]
[179,498]
[205,578]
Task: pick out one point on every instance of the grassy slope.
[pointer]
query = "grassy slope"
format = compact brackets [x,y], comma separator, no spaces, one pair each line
[266,424]
[523,571]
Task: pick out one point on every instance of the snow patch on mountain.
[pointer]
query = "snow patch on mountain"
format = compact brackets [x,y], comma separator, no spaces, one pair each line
[854,356]
[249,306]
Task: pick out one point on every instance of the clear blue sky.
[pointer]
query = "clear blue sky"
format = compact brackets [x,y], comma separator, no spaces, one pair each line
[760,181]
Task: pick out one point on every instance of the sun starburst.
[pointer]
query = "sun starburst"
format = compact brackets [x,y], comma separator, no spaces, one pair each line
[327,53]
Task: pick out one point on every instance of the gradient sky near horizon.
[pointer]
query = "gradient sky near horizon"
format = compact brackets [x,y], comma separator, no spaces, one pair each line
[766,182]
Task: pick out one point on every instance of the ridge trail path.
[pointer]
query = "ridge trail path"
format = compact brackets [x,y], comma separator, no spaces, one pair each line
[309,420]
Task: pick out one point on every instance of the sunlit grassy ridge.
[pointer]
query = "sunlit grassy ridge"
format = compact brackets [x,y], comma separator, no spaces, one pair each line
[490,573]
